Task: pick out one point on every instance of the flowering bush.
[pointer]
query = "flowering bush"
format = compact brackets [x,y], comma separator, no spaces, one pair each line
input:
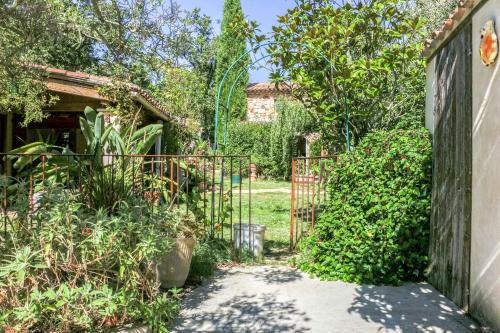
[375,227]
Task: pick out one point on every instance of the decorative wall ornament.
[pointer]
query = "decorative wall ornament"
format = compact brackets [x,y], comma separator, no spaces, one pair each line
[488,48]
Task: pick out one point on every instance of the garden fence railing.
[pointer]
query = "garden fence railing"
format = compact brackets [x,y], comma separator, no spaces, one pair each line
[214,188]
[308,194]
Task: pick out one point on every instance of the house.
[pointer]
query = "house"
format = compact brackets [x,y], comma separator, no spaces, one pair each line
[261,108]
[75,91]
[463,114]
[261,101]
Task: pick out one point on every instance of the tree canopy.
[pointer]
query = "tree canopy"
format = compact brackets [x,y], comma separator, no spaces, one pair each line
[372,69]
[136,41]
[231,45]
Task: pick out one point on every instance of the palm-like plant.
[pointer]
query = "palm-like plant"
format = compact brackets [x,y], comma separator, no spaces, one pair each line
[111,159]
[110,169]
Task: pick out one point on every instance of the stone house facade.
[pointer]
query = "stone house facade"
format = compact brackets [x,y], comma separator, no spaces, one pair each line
[261,108]
[261,101]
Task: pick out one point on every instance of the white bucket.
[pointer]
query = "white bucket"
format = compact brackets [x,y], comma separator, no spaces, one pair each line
[254,240]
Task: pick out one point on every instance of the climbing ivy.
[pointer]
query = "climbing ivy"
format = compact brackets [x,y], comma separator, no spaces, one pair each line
[375,227]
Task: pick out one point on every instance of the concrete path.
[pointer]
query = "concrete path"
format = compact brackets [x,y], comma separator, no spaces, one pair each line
[280,299]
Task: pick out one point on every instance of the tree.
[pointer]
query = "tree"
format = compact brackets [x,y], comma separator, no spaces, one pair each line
[36,32]
[232,44]
[432,12]
[131,41]
[188,88]
[357,57]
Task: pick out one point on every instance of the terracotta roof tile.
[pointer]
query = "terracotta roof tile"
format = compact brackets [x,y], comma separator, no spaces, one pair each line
[95,80]
[456,17]
[266,87]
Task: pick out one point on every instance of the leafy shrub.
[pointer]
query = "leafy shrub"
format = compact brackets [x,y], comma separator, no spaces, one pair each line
[211,253]
[253,139]
[67,268]
[272,145]
[375,227]
[292,123]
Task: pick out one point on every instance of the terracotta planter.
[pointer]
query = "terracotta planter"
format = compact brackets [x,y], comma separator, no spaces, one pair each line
[253,171]
[174,267]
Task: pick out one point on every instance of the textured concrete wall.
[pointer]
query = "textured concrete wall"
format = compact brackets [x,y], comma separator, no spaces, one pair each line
[261,107]
[430,89]
[485,229]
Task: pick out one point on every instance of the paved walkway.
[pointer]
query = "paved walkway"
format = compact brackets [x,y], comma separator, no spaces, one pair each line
[274,299]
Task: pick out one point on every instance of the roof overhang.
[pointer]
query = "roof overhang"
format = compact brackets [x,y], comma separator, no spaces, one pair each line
[451,26]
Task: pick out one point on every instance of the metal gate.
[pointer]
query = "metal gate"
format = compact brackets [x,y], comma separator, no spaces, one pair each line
[216,189]
[308,194]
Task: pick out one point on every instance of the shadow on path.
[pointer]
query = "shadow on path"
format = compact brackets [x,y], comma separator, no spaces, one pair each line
[409,308]
[248,313]
[281,299]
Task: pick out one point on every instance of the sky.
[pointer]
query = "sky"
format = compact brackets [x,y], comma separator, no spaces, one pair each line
[265,12]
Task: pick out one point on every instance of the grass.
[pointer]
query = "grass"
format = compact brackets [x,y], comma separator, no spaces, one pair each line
[269,209]
[267,184]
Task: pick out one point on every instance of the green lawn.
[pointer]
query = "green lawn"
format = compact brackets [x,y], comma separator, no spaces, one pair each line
[269,209]
[267,184]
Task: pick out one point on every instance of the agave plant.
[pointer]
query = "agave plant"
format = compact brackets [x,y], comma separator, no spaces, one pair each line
[107,171]
[110,160]
[107,140]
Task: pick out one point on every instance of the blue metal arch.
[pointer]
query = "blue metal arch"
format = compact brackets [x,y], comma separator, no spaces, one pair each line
[228,103]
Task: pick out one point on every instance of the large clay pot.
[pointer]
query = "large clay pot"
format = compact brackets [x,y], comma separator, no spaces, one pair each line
[253,171]
[173,268]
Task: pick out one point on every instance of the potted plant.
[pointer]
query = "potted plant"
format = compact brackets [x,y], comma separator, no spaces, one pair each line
[173,268]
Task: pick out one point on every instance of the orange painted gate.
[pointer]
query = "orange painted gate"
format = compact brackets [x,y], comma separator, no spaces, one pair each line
[308,194]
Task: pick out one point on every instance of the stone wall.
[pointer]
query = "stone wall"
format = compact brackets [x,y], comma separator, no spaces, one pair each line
[261,107]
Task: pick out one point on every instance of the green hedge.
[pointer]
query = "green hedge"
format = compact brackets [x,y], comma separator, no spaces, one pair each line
[272,145]
[375,227]
[253,139]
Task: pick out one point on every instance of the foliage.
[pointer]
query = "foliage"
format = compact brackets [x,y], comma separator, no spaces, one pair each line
[375,227]
[250,139]
[293,122]
[171,139]
[109,177]
[212,253]
[132,41]
[34,32]
[82,270]
[104,139]
[432,12]
[232,45]
[272,145]
[207,256]
[361,57]
[189,88]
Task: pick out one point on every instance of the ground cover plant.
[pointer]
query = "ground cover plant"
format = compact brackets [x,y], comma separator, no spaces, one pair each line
[375,227]
[67,268]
